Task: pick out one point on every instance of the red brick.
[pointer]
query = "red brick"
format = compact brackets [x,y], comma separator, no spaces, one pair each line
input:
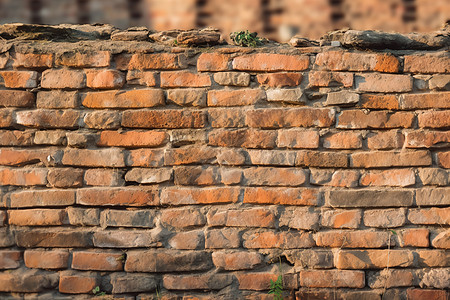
[124,99]
[190,240]
[27,281]
[373,259]
[141,77]
[126,196]
[281,196]
[132,138]
[62,79]
[434,119]
[227,117]
[394,177]
[23,177]
[274,176]
[347,61]
[33,198]
[104,79]
[45,118]
[186,196]
[254,217]
[332,278]
[427,63]
[83,59]
[48,238]
[182,218]
[145,158]
[255,281]
[242,138]
[197,282]
[213,62]
[169,118]
[383,83]
[184,79]
[19,157]
[427,139]
[429,216]
[65,177]
[6,117]
[339,218]
[167,261]
[77,283]
[352,239]
[294,117]
[19,79]
[235,97]
[279,79]
[376,159]
[143,61]
[97,261]
[94,158]
[324,79]
[189,155]
[298,139]
[385,218]
[357,119]
[424,101]
[37,217]
[392,139]
[443,159]
[419,294]
[267,62]
[321,159]
[343,140]
[236,260]
[413,237]
[377,101]
[33,60]
[10,259]
[10,98]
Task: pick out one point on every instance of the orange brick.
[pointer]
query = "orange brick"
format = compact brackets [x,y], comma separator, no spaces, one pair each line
[147,78]
[420,294]
[23,177]
[293,117]
[126,196]
[225,238]
[132,138]
[444,159]
[324,79]
[414,237]
[46,259]
[375,159]
[65,177]
[189,240]
[45,118]
[213,62]
[42,198]
[144,61]
[341,218]
[386,63]
[124,99]
[145,158]
[197,282]
[77,283]
[83,59]
[357,119]
[237,260]
[94,158]
[37,217]
[279,79]
[169,118]
[19,79]
[383,83]
[16,98]
[281,240]
[255,281]
[104,79]
[321,159]
[97,261]
[267,62]
[62,79]
[424,101]
[394,177]
[274,176]
[255,217]
[343,140]
[434,119]
[298,139]
[373,259]
[442,240]
[183,218]
[438,62]
[392,139]
[427,139]
[377,101]
[347,61]
[352,239]
[332,278]
[235,98]
[281,196]
[6,117]
[184,79]
[103,177]
[33,60]
[186,196]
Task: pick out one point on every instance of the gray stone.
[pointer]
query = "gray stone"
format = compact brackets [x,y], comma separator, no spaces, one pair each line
[342,98]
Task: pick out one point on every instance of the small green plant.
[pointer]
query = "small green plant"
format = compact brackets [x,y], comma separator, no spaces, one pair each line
[276,288]
[121,258]
[97,292]
[246,39]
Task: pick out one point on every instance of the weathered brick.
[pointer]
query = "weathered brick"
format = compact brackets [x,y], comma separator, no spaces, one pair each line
[57,99]
[16,137]
[213,62]
[132,283]
[196,175]
[433,258]
[145,158]
[356,119]
[167,261]
[231,157]
[83,216]
[254,217]
[97,261]
[383,83]
[11,98]
[343,140]
[368,198]
[46,259]
[427,139]
[236,260]
[438,62]
[332,278]
[189,155]
[391,278]
[433,176]
[271,157]
[103,119]
[124,99]
[46,238]
[433,197]
[103,177]
[187,97]
[186,196]
[430,216]
[292,96]
[23,177]
[83,59]
[184,79]
[339,178]
[281,196]
[423,101]
[443,159]
[347,61]
[138,77]
[299,218]
[414,237]
[118,196]
[274,176]
[434,119]
[144,61]
[6,237]
[27,281]
[232,78]
[373,259]
[377,101]
[343,98]
[442,240]
[128,218]
[189,240]
[226,238]
[94,158]
[63,79]
[385,218]
[283,240]
[19,79]
[393,177]
[65,177]
[435,278]
[169,118]
[46,118]
[375,159]
[324,79]
[10,259]
[421,294]
[339,218]
[235,97]
[132,138]
[297,139]
[352,239]
[50,137]
[33,60]
[294,117]
[321,159]
[229,117]
[255,281]
[77,283]
[247,138]
[104,79]
[33,198]
[439,82]
[182,218]
[267,62]
[37,217]
[6,117]
[4,58]
[385,140]
[149,175]
[127,239]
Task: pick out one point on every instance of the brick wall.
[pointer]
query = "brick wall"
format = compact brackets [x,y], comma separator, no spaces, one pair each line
[205,173]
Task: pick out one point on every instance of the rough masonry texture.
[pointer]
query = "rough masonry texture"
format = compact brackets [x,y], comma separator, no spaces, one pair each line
[204,173]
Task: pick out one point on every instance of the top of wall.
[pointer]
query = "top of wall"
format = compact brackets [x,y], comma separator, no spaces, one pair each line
[28,38]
